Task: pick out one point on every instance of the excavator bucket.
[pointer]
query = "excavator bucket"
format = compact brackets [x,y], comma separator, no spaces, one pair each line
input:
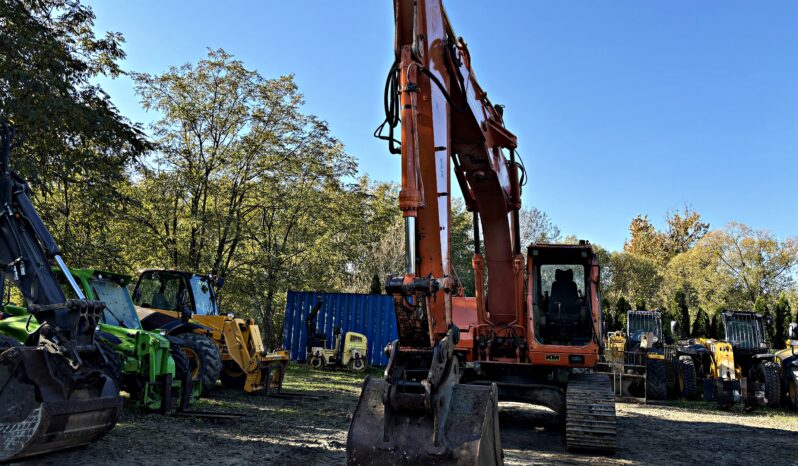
[46,405]
[468,432]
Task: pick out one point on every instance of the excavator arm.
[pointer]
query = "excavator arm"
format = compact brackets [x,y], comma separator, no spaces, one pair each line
[54,391]
[447,120]
[420,413]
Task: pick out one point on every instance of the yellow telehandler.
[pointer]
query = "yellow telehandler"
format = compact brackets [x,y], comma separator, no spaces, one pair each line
[176,301]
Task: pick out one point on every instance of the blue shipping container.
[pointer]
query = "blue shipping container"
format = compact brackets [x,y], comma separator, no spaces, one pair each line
[371,315]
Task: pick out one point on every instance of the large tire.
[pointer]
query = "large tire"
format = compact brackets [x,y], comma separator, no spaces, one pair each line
[686,380]
[316,362]
[232,376]
[656,379]
[202,349]
[357,364]
[792,392]
[767,374]
[182,364]
[182,369]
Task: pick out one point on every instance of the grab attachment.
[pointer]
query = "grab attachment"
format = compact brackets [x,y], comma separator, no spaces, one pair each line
[46,405]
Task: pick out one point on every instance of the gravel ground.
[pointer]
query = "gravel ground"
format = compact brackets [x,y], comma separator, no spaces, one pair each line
[312,431]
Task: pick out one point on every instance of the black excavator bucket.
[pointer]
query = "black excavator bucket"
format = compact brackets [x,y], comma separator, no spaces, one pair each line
[468,433]
[46,405]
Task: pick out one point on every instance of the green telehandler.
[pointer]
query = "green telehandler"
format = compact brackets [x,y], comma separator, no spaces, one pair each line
[153,368]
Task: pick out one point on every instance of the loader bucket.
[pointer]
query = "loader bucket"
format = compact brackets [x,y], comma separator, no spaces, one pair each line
[45,405]
[470,430]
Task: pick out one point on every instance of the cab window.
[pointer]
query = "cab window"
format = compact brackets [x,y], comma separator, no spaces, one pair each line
[159,290]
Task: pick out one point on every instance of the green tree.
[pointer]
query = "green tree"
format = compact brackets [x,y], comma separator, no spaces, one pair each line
[376,286]
[757,263]
[667,317]
[537,227]
[461,245]
[248,186]
[702,325]
[644,239]
[716,325]
[782,314]
[679,305]
[640,304]
[77,145]
[606,314]
[684,230]
[621,307]
[761,307]
[633,275]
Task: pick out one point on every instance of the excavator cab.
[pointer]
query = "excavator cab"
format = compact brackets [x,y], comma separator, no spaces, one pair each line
[561,289]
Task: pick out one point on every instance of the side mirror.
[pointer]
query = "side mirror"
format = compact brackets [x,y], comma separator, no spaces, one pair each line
[769,320]
[219,283]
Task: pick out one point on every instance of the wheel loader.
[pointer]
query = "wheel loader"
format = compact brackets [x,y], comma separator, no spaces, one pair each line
[348,351]
[168,300]
[154,370]
[755,363]
[636,360]
[787,359]
[57,388]
[738,368]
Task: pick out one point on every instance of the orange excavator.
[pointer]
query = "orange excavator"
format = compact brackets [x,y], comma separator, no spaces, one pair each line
[533,334]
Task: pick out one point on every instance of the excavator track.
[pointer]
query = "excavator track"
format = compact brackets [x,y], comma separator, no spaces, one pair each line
[590,414]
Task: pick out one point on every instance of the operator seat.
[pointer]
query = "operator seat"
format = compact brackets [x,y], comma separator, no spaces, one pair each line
[564,305]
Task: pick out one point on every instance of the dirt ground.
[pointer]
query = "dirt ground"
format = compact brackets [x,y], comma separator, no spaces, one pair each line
[313,432]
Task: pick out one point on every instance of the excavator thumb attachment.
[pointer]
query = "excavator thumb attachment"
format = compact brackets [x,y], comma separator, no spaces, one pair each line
[46,405]
[464,430]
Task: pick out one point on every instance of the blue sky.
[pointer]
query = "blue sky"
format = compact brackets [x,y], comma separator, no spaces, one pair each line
[620,107]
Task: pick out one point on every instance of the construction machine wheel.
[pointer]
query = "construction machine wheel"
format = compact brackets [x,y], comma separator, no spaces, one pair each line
[316,362]
[792,392]
[766,378]
[183,368]
[232,376]
[656,379]
[204,357]
[357,364]
[182,364]
[686,381]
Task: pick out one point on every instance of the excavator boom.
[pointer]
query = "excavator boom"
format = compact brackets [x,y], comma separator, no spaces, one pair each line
[533,338]
[420,413]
